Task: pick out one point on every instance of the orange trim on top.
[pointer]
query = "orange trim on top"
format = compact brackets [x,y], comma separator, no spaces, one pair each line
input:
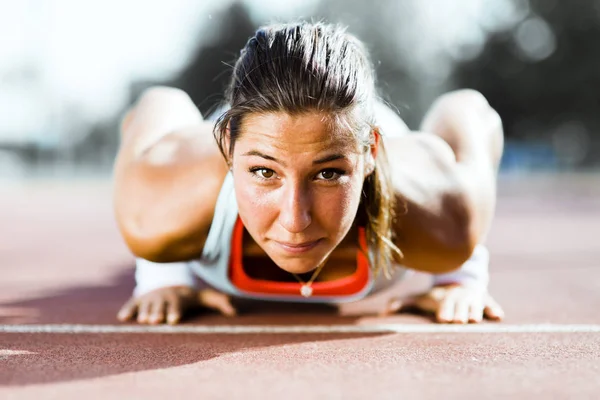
[346,286]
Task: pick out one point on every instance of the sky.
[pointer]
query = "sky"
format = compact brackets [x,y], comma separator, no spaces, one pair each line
[72,56]
[67,63]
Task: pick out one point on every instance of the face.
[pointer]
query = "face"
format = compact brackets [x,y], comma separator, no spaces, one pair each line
[298,186]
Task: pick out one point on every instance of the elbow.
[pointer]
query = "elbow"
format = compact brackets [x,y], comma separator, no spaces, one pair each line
[143,240]
[456,255]
[145,245]
[449,259]
[161,246]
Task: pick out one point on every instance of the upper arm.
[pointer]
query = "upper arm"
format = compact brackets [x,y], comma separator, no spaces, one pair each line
[166,182]
[164,209]
[432,215]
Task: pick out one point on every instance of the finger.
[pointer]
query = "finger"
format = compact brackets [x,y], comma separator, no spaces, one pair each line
[217,301]
[157,312]
[476,312]
[128,310]
[392,307]
[227,308]
[493,310]
[425,302]
[461,311]
[445,311]
[173,311]
[143,312]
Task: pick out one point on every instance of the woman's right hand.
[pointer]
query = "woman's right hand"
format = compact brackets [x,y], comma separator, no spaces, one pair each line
[169,304]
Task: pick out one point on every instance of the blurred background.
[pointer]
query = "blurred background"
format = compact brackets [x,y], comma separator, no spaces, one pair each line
[69,69]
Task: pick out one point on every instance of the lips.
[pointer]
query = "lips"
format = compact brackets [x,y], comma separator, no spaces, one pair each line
[298,247]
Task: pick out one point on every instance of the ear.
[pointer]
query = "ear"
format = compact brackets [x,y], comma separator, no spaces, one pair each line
[371,155]
[227,143]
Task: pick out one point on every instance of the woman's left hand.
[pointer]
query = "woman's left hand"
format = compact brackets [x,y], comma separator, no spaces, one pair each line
[452,304]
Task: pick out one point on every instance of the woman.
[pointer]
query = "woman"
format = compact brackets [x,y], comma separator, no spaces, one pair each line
[311,190]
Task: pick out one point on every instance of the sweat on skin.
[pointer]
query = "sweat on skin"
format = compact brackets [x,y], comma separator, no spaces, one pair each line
[297,181]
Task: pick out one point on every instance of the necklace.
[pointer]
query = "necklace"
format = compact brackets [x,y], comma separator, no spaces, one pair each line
[306,289]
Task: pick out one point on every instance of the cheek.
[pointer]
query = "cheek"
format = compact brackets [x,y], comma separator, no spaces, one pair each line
[338,208]
[254,205]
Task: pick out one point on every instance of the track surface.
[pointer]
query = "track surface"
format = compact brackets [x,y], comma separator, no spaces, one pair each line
[65,271]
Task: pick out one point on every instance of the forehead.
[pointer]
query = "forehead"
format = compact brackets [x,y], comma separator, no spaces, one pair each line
[311,131]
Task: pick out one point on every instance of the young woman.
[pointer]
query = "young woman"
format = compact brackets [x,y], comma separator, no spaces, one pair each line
[312,191]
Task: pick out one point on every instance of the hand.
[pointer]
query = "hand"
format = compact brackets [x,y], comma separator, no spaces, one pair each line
[452,304]
[170,303]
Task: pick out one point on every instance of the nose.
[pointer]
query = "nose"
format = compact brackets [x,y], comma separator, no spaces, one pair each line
[295,210]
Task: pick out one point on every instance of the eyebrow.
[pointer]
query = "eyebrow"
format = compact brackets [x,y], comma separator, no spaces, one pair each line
[331,157]
[262,155]
[323,160]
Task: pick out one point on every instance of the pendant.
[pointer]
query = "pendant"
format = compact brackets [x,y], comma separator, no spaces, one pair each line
[306,291]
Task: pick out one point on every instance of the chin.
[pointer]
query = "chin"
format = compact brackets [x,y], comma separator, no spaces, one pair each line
[297,265]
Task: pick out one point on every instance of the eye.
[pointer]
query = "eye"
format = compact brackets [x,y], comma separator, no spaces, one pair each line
[263,173]
[330,174]
[266,173]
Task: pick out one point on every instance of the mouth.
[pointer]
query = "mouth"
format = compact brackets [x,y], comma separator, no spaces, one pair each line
[297,248]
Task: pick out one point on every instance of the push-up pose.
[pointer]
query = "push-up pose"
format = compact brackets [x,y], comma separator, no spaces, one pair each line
[313,190]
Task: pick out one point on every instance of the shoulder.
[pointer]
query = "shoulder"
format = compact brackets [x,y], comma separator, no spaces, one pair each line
[165,198]
[419,148]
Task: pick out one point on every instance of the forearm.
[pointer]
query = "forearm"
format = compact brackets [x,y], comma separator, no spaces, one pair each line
[163,196]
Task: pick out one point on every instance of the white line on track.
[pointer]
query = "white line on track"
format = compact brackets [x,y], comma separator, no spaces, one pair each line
[245,329]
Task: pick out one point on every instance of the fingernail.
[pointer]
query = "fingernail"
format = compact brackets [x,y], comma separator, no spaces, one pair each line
[444,318]
[230,313]
[172,319]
